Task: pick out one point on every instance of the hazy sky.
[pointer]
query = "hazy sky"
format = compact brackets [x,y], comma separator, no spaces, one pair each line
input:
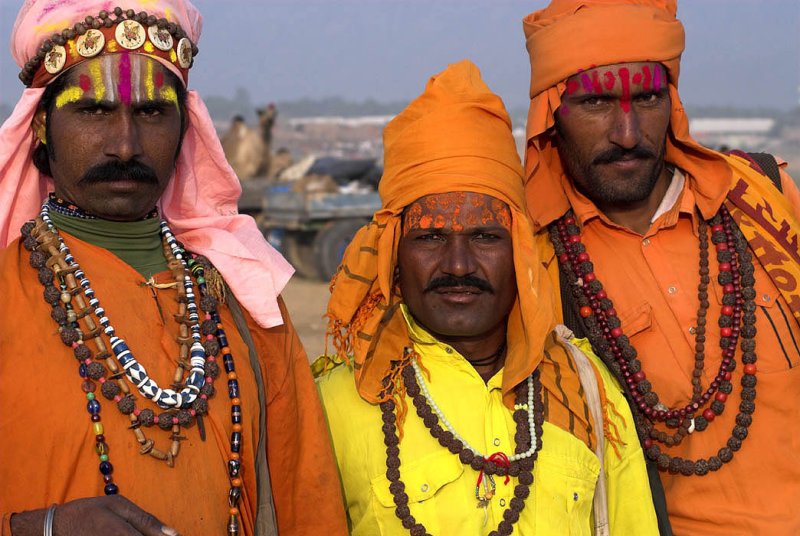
[739,52]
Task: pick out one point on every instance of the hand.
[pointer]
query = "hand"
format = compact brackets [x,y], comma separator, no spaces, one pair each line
[95,515]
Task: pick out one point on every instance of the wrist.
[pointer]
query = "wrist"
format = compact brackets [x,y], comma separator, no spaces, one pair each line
[27,523]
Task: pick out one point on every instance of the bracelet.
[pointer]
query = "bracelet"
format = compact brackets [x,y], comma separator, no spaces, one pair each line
[48,520]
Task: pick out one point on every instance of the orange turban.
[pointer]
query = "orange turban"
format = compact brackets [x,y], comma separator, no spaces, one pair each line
[455,137]
[573,35]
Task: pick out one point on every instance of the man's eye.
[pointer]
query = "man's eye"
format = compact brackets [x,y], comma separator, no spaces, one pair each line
[150,111]
[94,110]
[649,98]
[594,100]
[486,236]
[429,237]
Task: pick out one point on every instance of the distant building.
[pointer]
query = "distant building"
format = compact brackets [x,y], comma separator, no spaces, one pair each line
[746,133]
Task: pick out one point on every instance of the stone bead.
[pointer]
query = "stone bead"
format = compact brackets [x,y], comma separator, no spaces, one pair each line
[30,243]
[200,406]
[59,315]
[211,369]
[184,418]
[208,389]
[402,511]
[45,275]
[51,294]
[69,336]
[208,327]
[95,370]
[109,389]
[111,489]
[126,404]
[211,347]
[106,468]
[146,417]
[93,407]
[37,259]
[739,432]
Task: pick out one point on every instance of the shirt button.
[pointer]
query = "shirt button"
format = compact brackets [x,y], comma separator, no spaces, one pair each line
[765,297]
[448,350]
[424,487]
[575,496]
[692,330]
[672,290]
[646,242]
[496,441]
[502,502]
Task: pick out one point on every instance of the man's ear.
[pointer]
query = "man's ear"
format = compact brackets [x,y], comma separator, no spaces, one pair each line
[39,125]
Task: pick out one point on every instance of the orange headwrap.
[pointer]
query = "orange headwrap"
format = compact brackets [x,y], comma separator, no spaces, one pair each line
[456,136]
[573,35]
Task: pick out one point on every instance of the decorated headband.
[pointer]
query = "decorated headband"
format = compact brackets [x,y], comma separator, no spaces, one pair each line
[110,32]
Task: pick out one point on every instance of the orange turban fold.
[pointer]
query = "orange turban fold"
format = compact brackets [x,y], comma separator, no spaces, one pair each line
[573,35]
[456,136]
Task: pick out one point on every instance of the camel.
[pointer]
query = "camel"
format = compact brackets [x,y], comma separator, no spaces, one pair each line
[248,150]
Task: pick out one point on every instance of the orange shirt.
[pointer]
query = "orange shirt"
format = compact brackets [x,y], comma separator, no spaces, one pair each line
[652,280]
[48,451]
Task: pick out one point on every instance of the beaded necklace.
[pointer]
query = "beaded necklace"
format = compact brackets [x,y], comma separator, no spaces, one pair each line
[529,418]
[737,321]
[52,257]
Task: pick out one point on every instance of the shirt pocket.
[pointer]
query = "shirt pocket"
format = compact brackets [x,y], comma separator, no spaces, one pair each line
[564,495]
[637,319]
[424,478]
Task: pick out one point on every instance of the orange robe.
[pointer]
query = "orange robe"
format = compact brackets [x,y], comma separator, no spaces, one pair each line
[652,280]
[48,454]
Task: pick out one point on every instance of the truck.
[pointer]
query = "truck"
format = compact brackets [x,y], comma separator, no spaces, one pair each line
[312,226]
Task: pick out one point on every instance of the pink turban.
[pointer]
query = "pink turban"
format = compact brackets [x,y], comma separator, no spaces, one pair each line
[200,201]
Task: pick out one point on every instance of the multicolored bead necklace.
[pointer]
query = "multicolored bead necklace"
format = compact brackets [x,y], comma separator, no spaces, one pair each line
[51,256]
[737,321]
[529,418]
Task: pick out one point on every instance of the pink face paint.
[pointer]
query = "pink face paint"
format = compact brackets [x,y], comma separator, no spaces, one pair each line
[625,100]
[586,82]
[159,79]
[572,87]
[609,80]
[596,82]
[124,84]
[84,82]
[648,77]
[657,81]
[637,79]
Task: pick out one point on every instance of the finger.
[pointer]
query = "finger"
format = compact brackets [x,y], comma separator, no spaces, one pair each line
[147,524]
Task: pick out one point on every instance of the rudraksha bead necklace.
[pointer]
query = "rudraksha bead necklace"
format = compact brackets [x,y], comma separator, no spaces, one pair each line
[528,413]
[51,256]
[737,321]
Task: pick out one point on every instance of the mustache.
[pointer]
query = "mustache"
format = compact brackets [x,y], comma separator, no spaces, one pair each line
[618,153]
[449,281]
[116,170]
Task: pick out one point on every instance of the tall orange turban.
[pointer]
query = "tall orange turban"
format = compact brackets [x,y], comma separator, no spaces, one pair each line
[455,137]
[573,35]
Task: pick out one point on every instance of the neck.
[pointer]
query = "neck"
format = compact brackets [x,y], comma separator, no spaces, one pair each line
[638,216]
[479,351]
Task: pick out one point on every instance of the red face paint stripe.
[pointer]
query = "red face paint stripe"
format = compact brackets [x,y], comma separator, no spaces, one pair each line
[624,78]
[657,81]
[648,77]
[159,79]
[586,82]
[609,80]
[596,83]
[85,83]
[124,85]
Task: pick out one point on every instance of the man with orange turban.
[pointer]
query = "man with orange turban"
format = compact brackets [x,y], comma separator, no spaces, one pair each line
[151,379]
[680,264]
[457,387]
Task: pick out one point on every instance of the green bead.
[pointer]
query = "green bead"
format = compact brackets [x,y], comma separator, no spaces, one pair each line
[89,396]
[104,457]
[201,280]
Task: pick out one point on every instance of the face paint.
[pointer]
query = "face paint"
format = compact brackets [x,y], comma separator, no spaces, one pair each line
[625,100]
[96,74]
[657,81]
[85,83]
[124,84]
[648,78]
[149,84]
[68,96]
[609,80]
[456,211]
[169,95]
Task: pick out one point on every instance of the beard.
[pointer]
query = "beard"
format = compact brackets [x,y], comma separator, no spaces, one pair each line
[606,188]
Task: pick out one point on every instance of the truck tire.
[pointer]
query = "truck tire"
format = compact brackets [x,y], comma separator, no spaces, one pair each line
[330,243]
[298,246]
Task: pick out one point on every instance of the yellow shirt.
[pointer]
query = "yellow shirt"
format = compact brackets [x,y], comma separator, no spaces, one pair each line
[441,489]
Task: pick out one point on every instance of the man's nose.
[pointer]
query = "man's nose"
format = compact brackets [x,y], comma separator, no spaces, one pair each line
[626,130]
[123,141]
[459,259]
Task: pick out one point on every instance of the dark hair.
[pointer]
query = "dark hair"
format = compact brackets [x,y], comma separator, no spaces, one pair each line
[44,151]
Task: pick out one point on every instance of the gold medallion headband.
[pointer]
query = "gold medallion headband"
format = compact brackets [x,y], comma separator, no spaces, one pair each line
[110,32]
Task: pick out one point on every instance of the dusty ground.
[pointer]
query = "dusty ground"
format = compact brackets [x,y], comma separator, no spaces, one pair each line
[306,300]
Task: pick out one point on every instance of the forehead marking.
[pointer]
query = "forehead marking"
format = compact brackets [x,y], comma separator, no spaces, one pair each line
[69,95]
[648,77]
[148,82]
[609,80]
[625,101]
[96,73]
[85,83]
[169,94]
[657,81]
[124,84]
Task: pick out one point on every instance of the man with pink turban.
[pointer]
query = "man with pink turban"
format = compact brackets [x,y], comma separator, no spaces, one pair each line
[124,260]
[680,264]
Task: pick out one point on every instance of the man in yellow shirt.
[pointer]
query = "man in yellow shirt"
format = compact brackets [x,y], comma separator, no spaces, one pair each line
[462,408]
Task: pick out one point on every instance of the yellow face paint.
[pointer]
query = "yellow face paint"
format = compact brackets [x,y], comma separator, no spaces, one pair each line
[111,46]
[69,95]
[73,50]
[170,95]
[149,85]
[96,73]
[148,46]
[172,56]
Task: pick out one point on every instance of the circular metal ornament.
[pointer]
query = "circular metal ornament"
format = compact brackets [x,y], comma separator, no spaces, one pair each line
[90,44]
[130,34]
[55,59]
[160,37]
[185,53]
